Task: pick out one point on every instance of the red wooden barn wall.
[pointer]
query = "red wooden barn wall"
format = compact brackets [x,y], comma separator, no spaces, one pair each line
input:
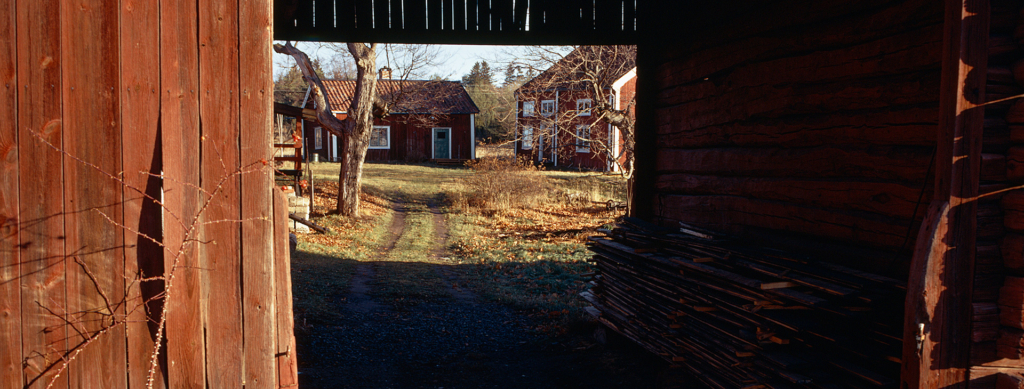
[129,90]
[813,130]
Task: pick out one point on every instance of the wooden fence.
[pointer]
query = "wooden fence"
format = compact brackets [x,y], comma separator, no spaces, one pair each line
[135,207]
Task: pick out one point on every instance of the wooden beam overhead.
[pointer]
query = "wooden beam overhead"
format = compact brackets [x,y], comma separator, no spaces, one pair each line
[458,22]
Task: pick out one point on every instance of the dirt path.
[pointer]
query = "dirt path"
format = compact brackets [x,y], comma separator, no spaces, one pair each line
[459,340]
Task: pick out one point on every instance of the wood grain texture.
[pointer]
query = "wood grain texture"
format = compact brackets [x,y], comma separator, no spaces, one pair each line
[10,305]
[92,129]
[256,112]
[180,141]
[884,198]
[942,270]
[732,213]
[902,164]
[287,362]
[890,125]
[219,107]
[41,240]
[142,165]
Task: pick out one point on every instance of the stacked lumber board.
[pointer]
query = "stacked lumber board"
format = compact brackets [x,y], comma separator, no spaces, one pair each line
[740,316]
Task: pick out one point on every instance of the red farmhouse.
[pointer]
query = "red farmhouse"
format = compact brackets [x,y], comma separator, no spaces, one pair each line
[430,120]
[555,124]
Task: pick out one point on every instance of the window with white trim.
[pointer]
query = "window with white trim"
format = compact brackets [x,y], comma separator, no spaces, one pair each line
[528,108]
[317,138]
[582,138]
[380,137]
[547,107]
[527,138]
[583,107]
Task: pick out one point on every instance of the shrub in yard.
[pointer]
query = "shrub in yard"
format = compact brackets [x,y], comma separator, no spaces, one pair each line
[499,184]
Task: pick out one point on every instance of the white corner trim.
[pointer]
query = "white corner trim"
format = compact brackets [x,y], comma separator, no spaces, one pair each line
[624,79]
[472,136]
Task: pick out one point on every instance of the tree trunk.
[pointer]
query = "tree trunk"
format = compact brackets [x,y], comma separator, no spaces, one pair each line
[361,117]
[353,155]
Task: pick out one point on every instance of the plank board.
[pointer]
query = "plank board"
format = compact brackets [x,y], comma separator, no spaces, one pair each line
[180,137]
[10,305]
[287,363]
[219,148]
[42,254]
[142,164]
[256,112]
[94,267]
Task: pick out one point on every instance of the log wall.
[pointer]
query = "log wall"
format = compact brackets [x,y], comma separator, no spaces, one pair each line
[996,350]
[813,130]
[133,188]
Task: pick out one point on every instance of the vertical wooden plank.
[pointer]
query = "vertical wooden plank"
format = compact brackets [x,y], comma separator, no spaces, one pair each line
[381,15]
[41,242]
[434,15]
[519,15]
[220,259]
[92,133]
[503,17]
[483,12]
[414,15]
[459,15]
[10,305]
[937,321]
[180,145]
[629,15]
[609,15]
[397,15]
[255,115]
[323,16]
[447,19]
[140,153]
[287,364]
[538,10]
[472,18]
[363,14]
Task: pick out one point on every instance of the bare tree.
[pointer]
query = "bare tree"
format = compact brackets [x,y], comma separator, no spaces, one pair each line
[419,99]
[355,129]
[585,71]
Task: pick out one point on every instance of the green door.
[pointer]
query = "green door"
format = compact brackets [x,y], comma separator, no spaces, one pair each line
[442,143]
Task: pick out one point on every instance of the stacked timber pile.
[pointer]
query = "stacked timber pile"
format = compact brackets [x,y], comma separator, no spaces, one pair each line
[747,317]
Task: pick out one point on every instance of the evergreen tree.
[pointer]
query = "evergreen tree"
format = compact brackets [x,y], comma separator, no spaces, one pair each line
[479,75]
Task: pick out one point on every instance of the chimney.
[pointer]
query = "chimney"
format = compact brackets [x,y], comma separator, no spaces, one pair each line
[385,73]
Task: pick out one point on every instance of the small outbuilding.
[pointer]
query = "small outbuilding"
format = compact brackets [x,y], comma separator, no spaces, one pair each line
[430,120]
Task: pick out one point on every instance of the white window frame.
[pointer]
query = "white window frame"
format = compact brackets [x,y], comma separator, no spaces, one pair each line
[318,142]
[387,132]
[550,103]
[583,107]
[527,141]
[582,146]
[529,108]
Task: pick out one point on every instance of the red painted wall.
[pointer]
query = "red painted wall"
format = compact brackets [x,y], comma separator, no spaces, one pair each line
[411,139]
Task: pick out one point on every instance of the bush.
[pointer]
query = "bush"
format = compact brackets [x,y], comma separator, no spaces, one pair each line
[499,184]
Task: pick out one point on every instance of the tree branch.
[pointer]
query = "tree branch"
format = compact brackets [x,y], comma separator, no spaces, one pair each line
[324,113]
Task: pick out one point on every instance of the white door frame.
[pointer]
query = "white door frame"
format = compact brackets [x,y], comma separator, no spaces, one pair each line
[433,141]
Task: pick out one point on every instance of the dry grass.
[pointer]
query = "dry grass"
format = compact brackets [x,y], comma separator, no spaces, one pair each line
[495,150]
[498,184]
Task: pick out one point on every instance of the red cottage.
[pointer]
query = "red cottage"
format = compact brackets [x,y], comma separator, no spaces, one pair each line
[430,120]
[555,122]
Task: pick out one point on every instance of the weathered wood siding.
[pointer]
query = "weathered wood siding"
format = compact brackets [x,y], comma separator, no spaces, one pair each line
[813,129]
[133,137]
[999,263]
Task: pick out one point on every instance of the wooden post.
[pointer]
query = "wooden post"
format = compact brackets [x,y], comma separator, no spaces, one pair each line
[10,305]
[936,336]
